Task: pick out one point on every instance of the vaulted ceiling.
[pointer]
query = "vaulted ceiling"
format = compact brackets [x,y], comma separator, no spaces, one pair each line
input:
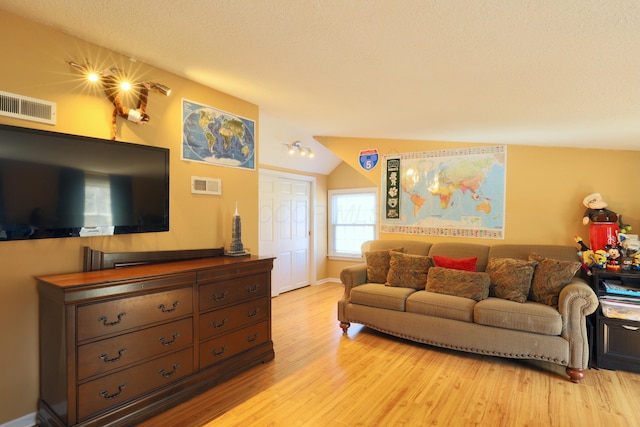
[534,72]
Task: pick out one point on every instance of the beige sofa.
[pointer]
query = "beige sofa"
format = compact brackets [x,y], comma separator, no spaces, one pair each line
[492,325]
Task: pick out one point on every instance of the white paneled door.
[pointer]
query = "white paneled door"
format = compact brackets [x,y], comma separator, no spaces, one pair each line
[285,218]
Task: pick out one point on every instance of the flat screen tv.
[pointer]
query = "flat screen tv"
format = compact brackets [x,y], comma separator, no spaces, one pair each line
[59,185]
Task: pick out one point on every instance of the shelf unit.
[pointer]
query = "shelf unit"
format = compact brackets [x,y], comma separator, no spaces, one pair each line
[617,341]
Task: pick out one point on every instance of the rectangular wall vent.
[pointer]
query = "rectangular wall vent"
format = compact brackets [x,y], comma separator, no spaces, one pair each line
[201,185]
[23,107]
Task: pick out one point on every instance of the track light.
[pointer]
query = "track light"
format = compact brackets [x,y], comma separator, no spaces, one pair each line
[300,149]
[161,88]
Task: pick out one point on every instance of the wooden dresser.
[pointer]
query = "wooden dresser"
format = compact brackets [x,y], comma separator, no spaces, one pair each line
[121,345]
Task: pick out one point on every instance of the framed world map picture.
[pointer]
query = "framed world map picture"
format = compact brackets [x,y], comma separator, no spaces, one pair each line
[459,192]
[217,137]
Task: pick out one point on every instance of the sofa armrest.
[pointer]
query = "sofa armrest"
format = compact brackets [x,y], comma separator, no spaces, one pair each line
[350,277]
[353,276]
[577,300]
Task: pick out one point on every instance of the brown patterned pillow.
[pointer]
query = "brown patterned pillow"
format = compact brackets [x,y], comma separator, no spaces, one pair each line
[468,284]
[408,270]
[550,276]
[378,264]
[510,278]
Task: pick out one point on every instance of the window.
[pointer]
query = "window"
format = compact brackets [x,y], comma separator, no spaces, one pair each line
[352,221]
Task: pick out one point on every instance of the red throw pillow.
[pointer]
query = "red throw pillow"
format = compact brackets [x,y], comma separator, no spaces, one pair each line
[465,264]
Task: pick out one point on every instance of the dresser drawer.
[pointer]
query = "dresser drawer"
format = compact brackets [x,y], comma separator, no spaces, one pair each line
[225,346]
[113,316]
[220,294]
[120,387]
[118,352]
[227,319]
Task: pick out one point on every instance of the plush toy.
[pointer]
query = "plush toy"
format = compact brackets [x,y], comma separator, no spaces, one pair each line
[597,210]
[624,228]
[586,255]
[112,90]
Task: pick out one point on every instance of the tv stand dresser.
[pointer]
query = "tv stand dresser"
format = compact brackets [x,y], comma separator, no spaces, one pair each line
[120,345]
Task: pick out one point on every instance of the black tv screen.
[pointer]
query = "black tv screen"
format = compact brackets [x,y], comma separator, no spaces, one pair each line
[59,185]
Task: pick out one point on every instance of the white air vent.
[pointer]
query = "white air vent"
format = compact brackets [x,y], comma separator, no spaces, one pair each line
[23,107]
[201,185]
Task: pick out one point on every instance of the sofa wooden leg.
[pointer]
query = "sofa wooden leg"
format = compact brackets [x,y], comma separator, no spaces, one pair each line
[576,375]
[345,326]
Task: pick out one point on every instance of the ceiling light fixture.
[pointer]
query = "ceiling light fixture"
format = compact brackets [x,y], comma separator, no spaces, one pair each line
[298,148]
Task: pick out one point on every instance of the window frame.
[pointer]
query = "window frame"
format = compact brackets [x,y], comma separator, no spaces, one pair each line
[331,227]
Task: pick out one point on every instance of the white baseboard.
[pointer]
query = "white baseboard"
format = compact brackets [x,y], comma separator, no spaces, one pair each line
[320,282]
[28,420]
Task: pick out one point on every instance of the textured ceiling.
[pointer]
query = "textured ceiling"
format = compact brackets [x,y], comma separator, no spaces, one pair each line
[535,72]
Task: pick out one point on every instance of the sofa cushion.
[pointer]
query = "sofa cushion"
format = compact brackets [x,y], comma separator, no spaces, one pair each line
[510,278]
[378,264]
[408,270]
[379,295]
[457,250]
[441,305]
[465,264]
[550,276]
[529,317]
[467,284]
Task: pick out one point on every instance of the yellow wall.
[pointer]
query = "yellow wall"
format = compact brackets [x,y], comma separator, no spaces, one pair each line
[35,64]
[545,187]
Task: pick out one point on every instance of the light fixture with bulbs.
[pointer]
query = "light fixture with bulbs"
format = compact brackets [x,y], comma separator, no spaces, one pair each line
[298,148]
[94,75]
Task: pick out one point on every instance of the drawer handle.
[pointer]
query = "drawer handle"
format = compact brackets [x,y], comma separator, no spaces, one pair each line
[165,342]
[253,289]
[219,325]
[252,339]
[171,373]
[255,312]
[103,356]
[219,298]
[103,319]
[168,310]
[219,353]
[630,328]
[107,396]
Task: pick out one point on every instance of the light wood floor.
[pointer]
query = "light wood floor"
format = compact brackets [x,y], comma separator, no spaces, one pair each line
[321,377]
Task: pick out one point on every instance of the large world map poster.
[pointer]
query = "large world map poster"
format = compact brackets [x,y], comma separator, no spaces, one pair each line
[458,192]
[216,137]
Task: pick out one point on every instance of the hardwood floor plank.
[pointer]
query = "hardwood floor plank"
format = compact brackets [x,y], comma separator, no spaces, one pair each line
[321,377]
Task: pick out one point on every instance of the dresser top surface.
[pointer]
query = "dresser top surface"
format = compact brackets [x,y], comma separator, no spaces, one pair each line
[70,280]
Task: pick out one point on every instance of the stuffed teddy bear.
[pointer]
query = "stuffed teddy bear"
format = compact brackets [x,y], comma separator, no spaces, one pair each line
[597,210]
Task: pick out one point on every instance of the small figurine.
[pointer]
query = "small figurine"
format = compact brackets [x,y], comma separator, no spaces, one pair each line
[597,210]
[613,257]
[600,258]
[636,261]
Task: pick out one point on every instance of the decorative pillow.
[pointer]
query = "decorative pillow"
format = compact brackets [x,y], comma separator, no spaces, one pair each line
[466,264]
[378,264]
[408,270]
[473,285]
[510,278]
[550,276]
